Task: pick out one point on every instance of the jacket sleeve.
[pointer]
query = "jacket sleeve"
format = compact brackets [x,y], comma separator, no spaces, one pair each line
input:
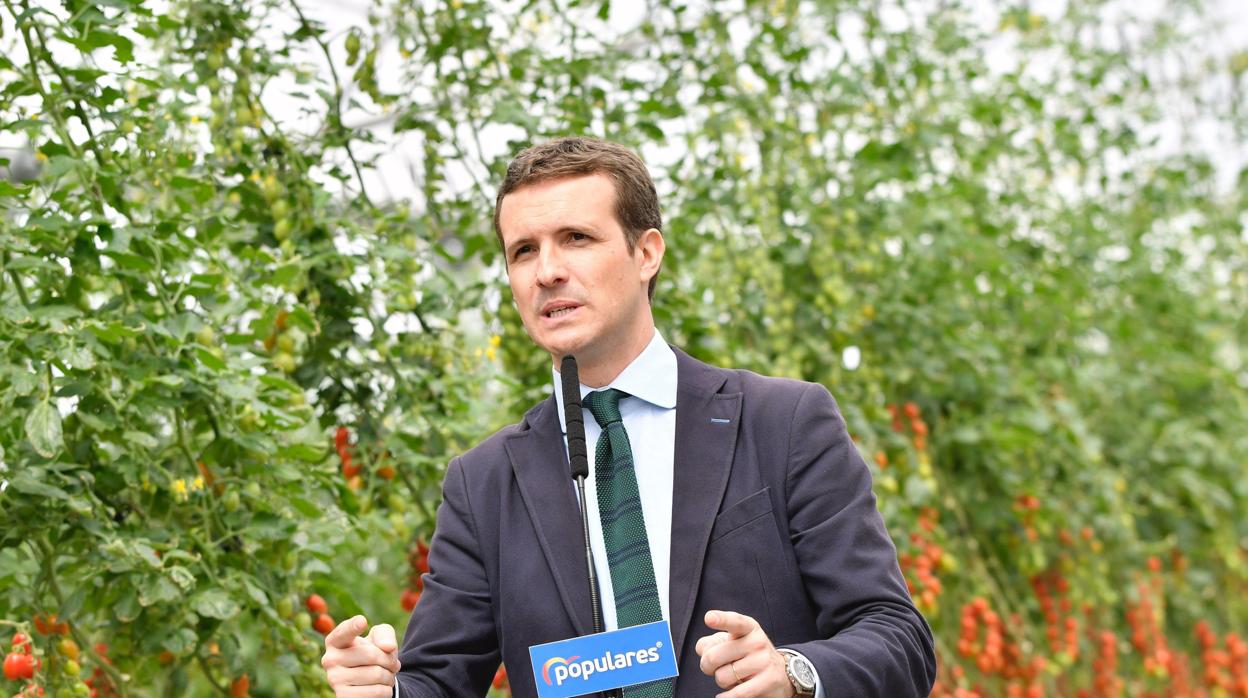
[451,646]
[877,643]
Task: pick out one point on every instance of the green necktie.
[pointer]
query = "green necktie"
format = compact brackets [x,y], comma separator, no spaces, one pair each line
[624,528]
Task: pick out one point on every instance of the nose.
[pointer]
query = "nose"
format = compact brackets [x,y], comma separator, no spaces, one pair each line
[551,267]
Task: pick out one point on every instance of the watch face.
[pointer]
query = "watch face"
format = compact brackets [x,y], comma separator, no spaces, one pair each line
[803,673]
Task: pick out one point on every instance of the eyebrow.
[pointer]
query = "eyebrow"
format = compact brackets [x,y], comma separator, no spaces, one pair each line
[561,230]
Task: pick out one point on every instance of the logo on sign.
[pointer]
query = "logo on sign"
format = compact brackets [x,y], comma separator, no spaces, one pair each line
[570,668]
[581,665]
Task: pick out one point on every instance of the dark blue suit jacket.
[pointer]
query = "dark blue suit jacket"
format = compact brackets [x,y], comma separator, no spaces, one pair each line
[773,516]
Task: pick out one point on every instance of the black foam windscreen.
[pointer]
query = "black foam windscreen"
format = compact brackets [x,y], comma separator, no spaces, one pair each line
[578,458]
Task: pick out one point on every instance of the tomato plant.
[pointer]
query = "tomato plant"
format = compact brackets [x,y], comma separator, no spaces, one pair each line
[238,349]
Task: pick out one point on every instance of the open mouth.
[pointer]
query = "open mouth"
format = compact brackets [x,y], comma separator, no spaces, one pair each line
[562,311]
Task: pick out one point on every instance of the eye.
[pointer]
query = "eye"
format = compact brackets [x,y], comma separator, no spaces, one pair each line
[521,250]
[578,235]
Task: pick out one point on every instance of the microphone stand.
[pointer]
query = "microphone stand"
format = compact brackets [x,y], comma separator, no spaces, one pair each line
[578,462]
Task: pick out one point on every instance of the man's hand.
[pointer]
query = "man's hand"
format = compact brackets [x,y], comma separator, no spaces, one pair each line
[742,658]
[361,667]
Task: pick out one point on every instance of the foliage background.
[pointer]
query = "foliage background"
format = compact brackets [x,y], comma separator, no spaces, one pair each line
[207,276]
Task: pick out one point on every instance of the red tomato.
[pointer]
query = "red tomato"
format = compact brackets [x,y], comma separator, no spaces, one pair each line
[316,604]
[323,624]
[19,666]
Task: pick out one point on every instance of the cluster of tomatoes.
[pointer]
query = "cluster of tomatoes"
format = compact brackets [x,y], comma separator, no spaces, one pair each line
[1061,626]
[418,560]
[1225,669]
[996,655]
[351,469]
[20,663]
[920,567]
[1147,635]
[23,662]
[322,622]
[910,410]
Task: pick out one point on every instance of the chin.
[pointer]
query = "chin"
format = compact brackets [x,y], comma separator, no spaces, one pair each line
[563,346]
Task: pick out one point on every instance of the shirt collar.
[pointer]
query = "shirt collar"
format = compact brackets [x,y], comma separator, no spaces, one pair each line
[651,377]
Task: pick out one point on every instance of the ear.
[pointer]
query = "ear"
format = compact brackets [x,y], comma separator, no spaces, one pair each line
[649,253]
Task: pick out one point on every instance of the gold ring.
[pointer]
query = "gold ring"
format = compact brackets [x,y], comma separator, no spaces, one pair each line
[735,675]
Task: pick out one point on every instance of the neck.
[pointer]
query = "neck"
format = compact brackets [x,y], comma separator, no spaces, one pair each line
[598,372]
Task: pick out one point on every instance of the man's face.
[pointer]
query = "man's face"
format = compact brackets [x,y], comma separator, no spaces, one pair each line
[578,288]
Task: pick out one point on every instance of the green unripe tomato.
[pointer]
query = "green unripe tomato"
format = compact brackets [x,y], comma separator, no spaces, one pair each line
[72,668]
[286,343]
[252,489]
[284,361]
[285,608]
[206,336]
[282,228]
[303,621]
[231,502]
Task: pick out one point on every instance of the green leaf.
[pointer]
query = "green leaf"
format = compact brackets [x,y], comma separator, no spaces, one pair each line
[55,313]
[209,359]
[43,429]
[8,189]
[141,439]
[303,452]
[113,332]
[127,260]
[215,603]
[31,481]
[156,588]
[181,641]
[128,607]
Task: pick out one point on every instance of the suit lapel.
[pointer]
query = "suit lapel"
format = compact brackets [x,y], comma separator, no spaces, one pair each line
[706,437]
[540,463]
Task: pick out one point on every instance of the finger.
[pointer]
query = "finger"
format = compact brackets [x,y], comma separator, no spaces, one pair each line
[705,643]
[745,667]
[735,623]
[362,676]
[364,653]
[724,653]
[365,692]
[344,635]
[343,678]
[382,635]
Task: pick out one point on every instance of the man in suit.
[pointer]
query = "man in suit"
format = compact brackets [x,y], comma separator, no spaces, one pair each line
[732,505]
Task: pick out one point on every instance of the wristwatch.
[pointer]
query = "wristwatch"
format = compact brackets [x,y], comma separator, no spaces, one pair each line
[801,672]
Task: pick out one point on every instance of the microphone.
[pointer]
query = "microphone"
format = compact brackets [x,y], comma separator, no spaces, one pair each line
[578,464]
[574,417]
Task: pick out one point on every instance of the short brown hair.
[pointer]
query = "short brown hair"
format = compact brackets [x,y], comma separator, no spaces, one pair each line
[636,200]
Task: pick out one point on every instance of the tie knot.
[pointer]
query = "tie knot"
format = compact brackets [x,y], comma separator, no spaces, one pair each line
[604,405]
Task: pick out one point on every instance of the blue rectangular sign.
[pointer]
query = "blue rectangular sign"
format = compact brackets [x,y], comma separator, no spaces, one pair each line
[604,661]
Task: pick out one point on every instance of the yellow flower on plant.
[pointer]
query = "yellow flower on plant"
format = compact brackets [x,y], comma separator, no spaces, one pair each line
[495,340]
[179,490]
[491,353]
[198,483]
